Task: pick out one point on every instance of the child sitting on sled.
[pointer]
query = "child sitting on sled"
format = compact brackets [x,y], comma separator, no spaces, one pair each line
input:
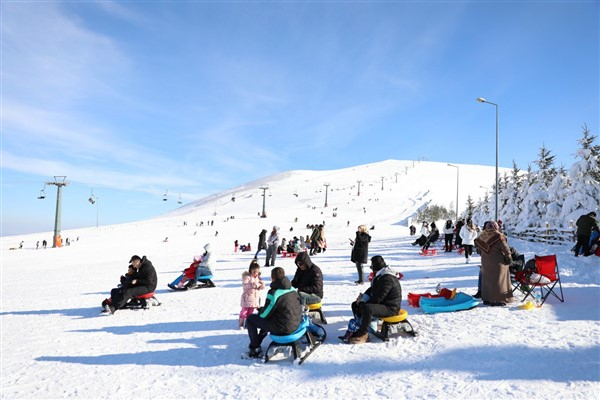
[251,283]
[188,273]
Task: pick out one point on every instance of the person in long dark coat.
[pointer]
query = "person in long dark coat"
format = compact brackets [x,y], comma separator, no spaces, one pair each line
[496,289]
[360,251]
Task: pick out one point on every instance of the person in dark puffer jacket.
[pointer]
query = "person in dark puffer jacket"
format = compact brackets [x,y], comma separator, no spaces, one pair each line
[144,281]
[382,299]
[281,314]
[308,280]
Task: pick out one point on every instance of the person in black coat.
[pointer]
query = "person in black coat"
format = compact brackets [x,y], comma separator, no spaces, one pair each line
[308,280]
[382,299]
[281,314]
[144,281]
[360,251]
[585,224]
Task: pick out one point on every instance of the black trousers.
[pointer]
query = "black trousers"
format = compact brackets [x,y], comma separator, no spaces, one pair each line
[367,311]
[253,324]
[359,269]
[583,242]
[120,296]
[448,241]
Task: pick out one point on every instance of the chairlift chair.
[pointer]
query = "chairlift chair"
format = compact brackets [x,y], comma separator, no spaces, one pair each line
[42,193]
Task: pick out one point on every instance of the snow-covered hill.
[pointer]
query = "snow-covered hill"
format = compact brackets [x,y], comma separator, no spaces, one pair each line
[56,345]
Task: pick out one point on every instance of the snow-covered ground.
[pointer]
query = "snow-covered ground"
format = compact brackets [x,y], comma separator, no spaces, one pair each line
[55,344]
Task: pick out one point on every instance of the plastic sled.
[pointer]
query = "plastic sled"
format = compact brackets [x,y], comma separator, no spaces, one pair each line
[462,301]
[308,336]
[201,283]
[414,298]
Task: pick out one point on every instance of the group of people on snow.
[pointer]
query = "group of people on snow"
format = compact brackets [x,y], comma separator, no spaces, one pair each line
[286,300]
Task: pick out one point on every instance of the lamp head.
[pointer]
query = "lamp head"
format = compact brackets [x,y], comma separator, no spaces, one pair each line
[480,99]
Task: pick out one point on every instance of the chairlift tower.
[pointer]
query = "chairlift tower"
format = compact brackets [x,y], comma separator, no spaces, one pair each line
[264,196]
[358,194]
[326,190]
[59,183]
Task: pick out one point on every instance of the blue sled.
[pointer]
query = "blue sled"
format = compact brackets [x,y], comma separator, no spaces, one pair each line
[462,301]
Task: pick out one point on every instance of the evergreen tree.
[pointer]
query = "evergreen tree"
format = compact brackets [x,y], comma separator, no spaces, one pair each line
[470,207]
[584,174]
[558,193]
[528,215]
[510,212]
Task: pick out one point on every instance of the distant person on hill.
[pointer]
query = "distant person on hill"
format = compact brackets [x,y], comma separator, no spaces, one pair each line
[360,251]
[448,235]
[308,280]
[272,244]
[251,284]
[143,282]
[468,233]
[44,243]
[262,242]
[281,314]
[585,224]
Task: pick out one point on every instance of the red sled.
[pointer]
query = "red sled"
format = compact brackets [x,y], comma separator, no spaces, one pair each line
[413,298]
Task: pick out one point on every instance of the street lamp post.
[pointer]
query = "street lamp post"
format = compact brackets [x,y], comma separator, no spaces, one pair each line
[482,100]
[457,173]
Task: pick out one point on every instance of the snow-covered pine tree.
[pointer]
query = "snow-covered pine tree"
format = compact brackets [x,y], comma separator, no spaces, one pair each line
[526,207]
[536,200]
[470,208]
[509,214]
[557,194]
[584,174]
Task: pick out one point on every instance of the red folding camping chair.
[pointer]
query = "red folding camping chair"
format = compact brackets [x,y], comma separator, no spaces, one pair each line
[547,266]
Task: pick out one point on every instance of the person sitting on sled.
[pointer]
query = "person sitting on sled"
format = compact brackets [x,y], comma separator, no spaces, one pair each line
[382,299]
[308,280]
[188,273]
[205,266]
[424,235]
[281,314]
[144,281]
[126,281]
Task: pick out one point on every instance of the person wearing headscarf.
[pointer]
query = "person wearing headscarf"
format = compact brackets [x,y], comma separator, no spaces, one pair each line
[496,289]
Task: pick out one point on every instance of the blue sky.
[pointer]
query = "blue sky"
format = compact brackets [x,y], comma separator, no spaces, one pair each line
[136,98]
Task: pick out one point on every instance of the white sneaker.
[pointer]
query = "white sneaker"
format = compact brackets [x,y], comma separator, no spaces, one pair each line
[468,259]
